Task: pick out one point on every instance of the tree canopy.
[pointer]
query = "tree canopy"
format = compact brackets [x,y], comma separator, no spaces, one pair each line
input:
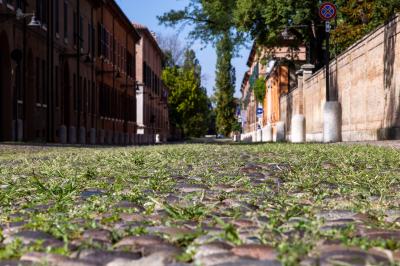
[357,18]
[188,101]
[265,20]
[210,19]
[225,87]
[227,23]
[213,22]
[173,49]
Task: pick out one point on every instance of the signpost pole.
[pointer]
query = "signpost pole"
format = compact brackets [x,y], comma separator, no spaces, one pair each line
[327,11]
[327,59]
[332,109]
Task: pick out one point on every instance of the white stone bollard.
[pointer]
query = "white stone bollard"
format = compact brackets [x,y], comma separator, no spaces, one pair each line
[72,135]
[126,139]
[92,136]
[63,134]
[254,136]
[267,135]
[120,138]
[298,129]
[259,135]
[115,139]
[280,131]
[109,139]
[102,136]
[132,140]
[82,135]
[332,122]
[20,125]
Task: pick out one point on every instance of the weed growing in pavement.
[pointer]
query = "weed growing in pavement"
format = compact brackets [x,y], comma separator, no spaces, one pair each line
[65,191]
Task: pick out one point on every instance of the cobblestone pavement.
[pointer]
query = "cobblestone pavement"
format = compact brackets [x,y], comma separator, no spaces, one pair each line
[200,204]
[395,144]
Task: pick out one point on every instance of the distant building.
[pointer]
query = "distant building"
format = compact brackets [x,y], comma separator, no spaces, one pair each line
[70,72]
[152,107]
[116,75]
[276,66]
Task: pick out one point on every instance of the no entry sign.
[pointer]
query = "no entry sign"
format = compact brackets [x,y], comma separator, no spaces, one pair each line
[327,11]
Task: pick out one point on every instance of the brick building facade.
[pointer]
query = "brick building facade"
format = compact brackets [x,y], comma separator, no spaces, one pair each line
[72,78]
[152,107]
[116,75]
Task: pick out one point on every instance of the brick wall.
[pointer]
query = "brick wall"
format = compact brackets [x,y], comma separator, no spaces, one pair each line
[366,82]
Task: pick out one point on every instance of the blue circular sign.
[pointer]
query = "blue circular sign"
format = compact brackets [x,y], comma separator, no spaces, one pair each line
[327,11]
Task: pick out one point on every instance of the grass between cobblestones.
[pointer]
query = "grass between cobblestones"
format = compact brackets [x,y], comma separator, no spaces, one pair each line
[286,189]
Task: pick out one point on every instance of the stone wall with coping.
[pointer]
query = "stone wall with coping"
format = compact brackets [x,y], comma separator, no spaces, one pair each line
[366,81]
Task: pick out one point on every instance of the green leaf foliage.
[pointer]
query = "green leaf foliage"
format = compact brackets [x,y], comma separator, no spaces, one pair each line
[209,20]
[212,21]
[358,18]
[259,89]
[188,101]
[224,86]
[265,20]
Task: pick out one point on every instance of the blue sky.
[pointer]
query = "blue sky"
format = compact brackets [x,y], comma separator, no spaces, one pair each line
[146,11]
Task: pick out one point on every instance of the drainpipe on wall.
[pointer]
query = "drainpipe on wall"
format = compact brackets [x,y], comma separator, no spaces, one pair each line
[24,74]
[78,75]
[126,102]
[48,70]
[112,109]
[93,85]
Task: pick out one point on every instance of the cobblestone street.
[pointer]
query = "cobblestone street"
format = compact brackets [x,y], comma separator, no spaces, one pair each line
[200,204]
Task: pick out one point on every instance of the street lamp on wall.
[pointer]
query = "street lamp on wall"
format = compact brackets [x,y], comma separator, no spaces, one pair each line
[20,15]
[33,23]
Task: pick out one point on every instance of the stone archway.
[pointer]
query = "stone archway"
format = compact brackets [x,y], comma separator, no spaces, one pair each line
[5,90]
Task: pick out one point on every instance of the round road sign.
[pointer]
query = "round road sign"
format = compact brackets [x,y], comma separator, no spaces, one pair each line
[327,11]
